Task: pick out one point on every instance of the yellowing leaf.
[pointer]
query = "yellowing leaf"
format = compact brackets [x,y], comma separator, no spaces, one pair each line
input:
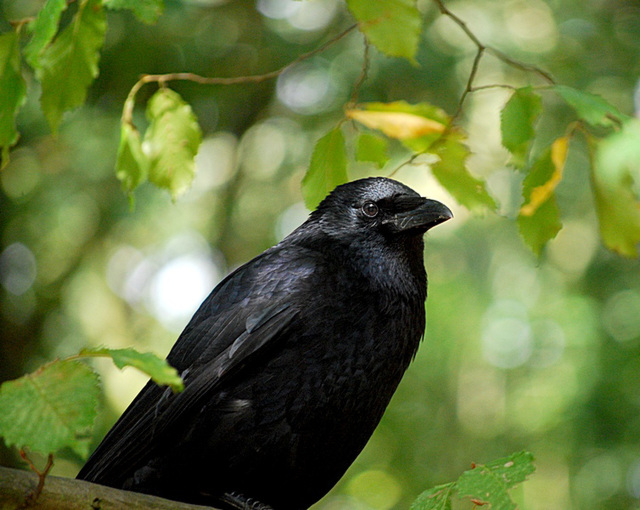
[540,223]
[397,125]
[541,194]
[417,126]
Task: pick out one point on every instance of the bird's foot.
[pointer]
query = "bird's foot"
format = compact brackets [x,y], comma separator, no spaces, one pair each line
[242,502]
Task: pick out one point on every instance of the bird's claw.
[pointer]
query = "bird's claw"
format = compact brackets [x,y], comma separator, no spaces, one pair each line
[242,502]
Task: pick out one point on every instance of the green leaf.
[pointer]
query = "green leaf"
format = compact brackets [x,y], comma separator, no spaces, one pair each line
[482,485]
[327,169]
[70,64]
[452,173]
[513,469]
[51,408]
[437,498]
[489,483]
[132,165]
[13,91]
[44,27]
[392,26]
[372,148]
[157,368]
[616,185]
[417,126]
[171,142]
[591,108]
[147,11]
[539,218]
[517,121]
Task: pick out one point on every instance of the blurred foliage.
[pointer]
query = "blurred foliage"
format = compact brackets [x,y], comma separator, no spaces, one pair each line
[520,352]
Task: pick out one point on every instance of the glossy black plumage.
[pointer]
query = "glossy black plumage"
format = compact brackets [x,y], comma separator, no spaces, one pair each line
[289,363]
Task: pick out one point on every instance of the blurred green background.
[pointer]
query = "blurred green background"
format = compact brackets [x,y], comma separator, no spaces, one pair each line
[519,353]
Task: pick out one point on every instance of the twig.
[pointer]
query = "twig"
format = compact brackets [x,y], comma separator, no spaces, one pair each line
[409,161]
[42,475]
[458,21]
[481,49]
[127,113]
[469,87]
[493,86]
[523,66]
[362,78]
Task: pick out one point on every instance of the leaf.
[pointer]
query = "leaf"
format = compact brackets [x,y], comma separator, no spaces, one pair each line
[51,408]
[517,121]
[392,26]
[436,498]
[13,94]
[70,64]
[591,108]
[44,27]
[452,173]
[132,164]
[327,169]
[147,11]
[539,218]
[489,483]
[171,142]
[543,192]
[513,469]
[157,368]
[615,178]
[481,485]
[417,126]
[372,148]
[397,124]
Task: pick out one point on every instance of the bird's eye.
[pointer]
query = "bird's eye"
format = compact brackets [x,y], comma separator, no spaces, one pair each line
[370,209]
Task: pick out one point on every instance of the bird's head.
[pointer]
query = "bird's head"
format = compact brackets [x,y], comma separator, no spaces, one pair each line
[378,206]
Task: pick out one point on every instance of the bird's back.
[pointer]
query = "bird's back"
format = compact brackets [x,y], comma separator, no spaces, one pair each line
[288,366]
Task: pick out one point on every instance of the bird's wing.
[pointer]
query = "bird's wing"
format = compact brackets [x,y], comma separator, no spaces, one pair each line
[234,324]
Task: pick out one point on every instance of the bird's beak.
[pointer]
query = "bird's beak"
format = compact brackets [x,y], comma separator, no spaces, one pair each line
[424,215]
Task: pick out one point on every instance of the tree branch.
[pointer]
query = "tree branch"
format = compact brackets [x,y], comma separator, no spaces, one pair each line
[127,113]
[481,49]
[70,494]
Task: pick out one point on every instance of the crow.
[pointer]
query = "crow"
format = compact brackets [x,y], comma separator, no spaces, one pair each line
[288,364]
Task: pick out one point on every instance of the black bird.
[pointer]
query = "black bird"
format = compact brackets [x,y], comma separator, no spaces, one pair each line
[289,363]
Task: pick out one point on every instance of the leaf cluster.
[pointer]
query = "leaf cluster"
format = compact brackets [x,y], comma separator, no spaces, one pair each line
[614,172]
[484,484]
[65,61]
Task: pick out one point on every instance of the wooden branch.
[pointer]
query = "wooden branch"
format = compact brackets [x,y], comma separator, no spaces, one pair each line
[70,494]
[162,79]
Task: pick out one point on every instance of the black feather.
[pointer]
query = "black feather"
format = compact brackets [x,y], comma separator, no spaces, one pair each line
[289,363]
